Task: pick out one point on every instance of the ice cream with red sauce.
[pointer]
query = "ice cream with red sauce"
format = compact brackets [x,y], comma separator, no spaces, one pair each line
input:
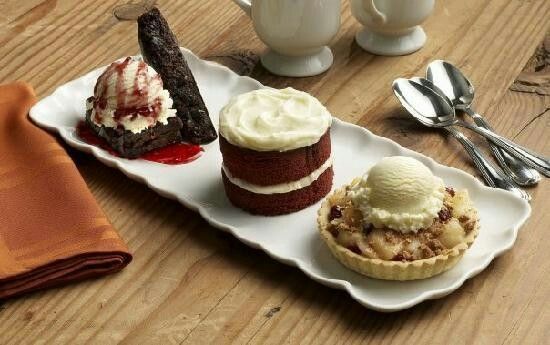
[130,94]
[130,111]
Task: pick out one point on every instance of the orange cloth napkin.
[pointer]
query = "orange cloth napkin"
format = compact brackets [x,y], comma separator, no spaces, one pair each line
[52,230]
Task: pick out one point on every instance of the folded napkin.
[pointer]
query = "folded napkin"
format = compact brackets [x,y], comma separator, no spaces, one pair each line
[52,230]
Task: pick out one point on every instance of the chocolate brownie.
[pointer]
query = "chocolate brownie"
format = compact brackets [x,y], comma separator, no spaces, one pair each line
[161,50]
[133,145]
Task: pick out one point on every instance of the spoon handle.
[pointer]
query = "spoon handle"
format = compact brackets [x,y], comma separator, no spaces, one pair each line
[519,172]
[531,159]
[491,174]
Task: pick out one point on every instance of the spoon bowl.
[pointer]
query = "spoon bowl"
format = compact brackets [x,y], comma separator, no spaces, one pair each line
[424,104]
[451,82]
[430,85]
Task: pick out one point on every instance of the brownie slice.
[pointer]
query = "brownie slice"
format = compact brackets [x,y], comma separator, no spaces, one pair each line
[133,145]
[160,49]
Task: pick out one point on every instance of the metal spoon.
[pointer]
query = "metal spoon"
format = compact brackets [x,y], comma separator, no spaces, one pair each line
[433,111]
[460,91]
[493,176]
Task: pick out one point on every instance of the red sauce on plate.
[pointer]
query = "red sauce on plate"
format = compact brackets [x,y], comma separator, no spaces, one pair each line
[172,154]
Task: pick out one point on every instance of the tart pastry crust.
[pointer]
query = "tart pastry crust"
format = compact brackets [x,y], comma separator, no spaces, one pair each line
[391,269]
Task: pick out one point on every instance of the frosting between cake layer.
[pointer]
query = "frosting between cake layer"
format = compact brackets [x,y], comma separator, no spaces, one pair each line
[281,187]
[274,120]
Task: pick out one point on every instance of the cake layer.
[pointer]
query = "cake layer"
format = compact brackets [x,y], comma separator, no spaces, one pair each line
[281,203]
[274,167]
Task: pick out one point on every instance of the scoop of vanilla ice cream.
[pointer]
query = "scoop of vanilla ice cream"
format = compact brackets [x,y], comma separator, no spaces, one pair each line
[130,83]
[400,193]
[130,93]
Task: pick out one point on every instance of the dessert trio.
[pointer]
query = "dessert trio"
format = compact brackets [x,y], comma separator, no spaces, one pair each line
[396,222]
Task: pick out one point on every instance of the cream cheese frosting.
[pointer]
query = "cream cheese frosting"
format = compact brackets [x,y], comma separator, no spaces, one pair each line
[281,187]
[400,193]
[135,88]
[274,120]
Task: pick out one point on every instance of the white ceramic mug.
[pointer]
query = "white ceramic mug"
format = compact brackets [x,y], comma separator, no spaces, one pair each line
[297,33]
[391,27]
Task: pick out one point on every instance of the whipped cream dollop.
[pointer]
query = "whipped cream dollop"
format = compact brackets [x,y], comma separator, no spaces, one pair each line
[130,93]
[400,193]
[274,120]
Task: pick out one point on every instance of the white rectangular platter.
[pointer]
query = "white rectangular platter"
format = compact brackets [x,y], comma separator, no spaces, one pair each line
[293,239]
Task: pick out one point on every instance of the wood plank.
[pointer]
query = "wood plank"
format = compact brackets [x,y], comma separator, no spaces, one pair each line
[190,283]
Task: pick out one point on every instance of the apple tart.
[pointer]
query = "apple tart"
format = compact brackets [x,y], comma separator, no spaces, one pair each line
[382,227]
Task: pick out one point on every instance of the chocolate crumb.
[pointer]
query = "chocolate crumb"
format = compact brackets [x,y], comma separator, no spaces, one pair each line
[335,212]
[450,190]
[333,232]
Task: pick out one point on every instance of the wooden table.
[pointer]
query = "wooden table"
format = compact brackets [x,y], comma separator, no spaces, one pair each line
[190,283]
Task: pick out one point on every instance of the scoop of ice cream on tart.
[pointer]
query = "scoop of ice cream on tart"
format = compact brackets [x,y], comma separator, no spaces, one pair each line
[400,193]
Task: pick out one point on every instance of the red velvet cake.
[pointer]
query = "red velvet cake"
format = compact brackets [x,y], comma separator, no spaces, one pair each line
[276,151]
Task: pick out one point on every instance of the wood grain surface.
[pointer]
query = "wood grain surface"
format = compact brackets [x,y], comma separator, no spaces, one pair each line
[192,284]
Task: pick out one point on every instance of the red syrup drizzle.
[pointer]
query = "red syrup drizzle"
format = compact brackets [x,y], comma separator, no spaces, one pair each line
[174,154]
[129,104]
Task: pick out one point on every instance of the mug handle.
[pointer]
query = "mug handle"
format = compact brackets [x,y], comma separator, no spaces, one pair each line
[370,7]
[245,5]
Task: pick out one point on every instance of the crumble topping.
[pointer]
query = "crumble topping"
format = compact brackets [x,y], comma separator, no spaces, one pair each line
[456,219]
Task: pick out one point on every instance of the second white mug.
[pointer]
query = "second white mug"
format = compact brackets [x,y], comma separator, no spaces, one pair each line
[297,33]
[391,27]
